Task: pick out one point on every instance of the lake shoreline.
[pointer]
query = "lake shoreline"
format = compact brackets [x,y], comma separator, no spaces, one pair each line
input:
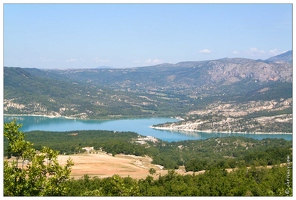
[75,118]
[210,131]
[35,115]
[142,126]
[153,127]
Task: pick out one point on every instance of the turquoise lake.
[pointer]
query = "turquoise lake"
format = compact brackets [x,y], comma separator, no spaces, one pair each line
[140,126]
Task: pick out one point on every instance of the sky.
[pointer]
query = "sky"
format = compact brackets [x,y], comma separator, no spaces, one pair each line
[63,36]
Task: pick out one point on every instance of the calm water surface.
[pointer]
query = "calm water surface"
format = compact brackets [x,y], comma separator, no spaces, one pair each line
[140,126]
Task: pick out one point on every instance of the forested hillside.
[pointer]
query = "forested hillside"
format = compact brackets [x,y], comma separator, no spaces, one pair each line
[215,182]
[195,155]
[25,93]
[163,90]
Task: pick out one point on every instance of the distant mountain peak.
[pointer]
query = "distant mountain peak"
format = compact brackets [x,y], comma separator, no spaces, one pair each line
[286,57]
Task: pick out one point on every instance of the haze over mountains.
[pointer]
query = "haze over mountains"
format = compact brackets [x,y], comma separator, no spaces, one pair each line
[160,90]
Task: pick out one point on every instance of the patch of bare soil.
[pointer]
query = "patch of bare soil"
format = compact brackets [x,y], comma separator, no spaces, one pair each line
[104,165]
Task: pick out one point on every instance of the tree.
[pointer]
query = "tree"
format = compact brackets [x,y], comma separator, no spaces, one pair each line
[152,171]
[40,173]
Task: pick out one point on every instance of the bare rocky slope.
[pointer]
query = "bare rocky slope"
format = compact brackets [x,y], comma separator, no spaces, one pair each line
[251,117]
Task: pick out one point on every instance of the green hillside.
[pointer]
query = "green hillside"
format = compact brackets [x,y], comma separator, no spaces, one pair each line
[25,93]
[163,90]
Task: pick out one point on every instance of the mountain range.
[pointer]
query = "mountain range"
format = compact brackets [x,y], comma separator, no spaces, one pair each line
[159,90]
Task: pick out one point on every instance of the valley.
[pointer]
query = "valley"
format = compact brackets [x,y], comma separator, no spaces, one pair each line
[147,99]
[229,94]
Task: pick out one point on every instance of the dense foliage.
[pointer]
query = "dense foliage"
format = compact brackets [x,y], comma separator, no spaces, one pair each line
[195,155]
[216,182]
[228,152]
[32,173]
[73,141]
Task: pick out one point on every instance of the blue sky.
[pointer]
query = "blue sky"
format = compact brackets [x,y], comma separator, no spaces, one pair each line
[132,35]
